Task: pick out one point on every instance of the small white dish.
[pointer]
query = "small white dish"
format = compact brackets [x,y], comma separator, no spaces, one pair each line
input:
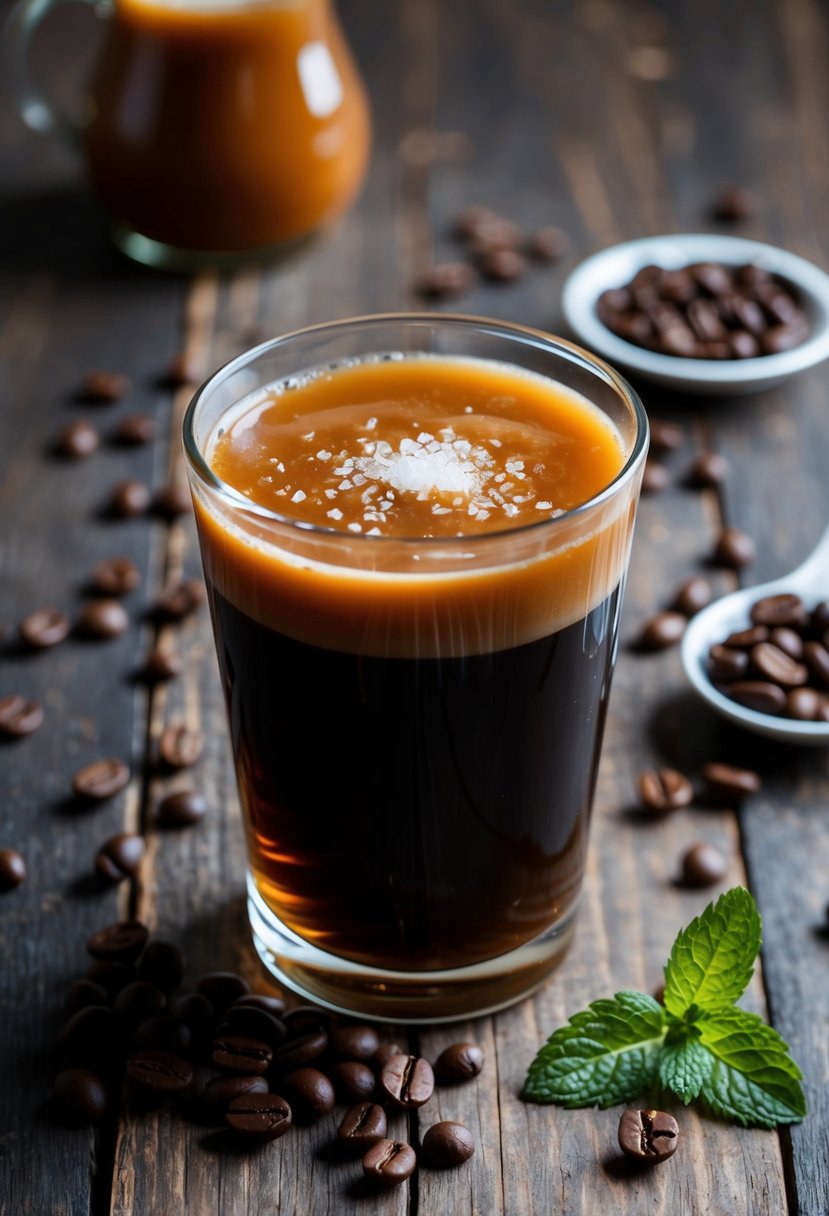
[616,266]
[726,615]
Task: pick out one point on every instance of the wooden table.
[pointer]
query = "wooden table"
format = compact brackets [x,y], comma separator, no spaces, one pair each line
[612,120]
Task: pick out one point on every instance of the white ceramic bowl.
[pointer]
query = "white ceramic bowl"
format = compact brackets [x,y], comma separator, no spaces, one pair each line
[616,266]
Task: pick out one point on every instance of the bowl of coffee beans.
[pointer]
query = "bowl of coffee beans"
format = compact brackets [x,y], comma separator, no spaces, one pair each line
[701,313]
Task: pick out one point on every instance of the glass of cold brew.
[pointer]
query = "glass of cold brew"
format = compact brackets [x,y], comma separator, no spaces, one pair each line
[415,531]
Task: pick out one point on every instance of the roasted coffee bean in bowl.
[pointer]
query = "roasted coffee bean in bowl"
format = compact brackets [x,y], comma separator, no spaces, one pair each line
[701,313]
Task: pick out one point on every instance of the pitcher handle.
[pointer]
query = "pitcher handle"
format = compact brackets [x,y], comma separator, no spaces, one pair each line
[35,109]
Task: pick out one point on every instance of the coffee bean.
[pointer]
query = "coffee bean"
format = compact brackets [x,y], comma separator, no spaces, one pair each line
[655,477]
[771,663]
[183,809]
[302,1019]
[361,1127]
[729,783]
[704,320]
[104,387]
[648,1135]
[349,1042]
[803,704]
[178,601]
[93,1036]
[12,870]
[183,369]
[774,610]
[744,345]
[221,1091]
[744,639]
[299,1051]
[709,469]
[666,436]
[446,281]
[119,943]
[734,549]
[159,1072]
[447,1144]
[180,746]
[80,1095]
[172,501]
[816,658]
[129,498]
[782,338]
[258,1116]
[664,789]
[734,204]
[309,1092]
[502,265]
[77,440]
[120,856]
[19,716]
[496,235]
[163,964]
[703,865]
[253,1022]
[164,1032]
[712,277]
[408,1081]
[757,694]
[662,630]
[111,976]
[138,1001]
[102,619]
[274,1005]
[222,988]
[692,595]
[196,1012]
[353,1080]
[44,628]
[160,666]
[384,1053]
[548,244]
[727,664]
[787,640]
[458,1062]
[235,1053]
[116,576]
[389,1162]
[134,430]
[85,992]
[101,779]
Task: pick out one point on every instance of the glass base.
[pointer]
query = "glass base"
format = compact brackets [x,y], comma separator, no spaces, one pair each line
[161,256]
[404,996]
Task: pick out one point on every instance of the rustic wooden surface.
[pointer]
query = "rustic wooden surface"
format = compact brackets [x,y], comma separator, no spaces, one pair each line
[612,120]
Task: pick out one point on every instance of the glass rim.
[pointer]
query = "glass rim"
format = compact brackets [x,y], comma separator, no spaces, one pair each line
[537,338]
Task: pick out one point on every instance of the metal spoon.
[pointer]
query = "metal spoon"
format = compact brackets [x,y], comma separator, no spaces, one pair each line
[811,582]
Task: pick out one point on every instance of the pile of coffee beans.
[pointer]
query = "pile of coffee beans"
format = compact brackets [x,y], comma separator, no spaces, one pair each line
[706,311]
[240,1061]
[778,664]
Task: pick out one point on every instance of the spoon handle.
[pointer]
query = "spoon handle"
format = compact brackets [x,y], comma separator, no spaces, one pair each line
[813,575]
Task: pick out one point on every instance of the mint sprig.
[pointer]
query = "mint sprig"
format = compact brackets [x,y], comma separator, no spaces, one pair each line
[699,1046]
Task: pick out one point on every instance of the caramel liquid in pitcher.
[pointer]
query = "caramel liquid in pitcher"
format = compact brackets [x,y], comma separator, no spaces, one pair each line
[416,750]
[226,125]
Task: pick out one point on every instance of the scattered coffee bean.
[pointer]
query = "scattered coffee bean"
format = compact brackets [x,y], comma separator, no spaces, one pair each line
[447,1144]
[309,1092]
[178,601]
[727,664]
[135,430]
[408,1081]
[746,638]
[757,694]
[666,436]
[44,628]
[692,595]
[655,477]
[389,1162]
[111,976]
[12,870]
[348,1042]
[222,988]
[221,1091]
[472,220]
[664,789]
[138,1001]
[353,1080]
[129,498]
[104,387]
[162,964]
[648,1135]
[120,856]
[274,1005]
[160,666]
[119,943]
[172,501]
[80,1095]
[458,1062]
[77,440]
[196,1012]
[19,716]
[297,1052]
[703,865]
[662,630]
[734,549]
[303,1019]
[708,470]
[548,244]
[773,610]
[163,1033]
[258,1116]
[180,746]
[116,576]
[729,783]
[183,370]
[182,809]
[159,1072]
[502,265]
[771,663]
[101,779]
[361,1127]
[787,640]
[804,704]
[103,619]
[92,1036]
[253,1022]
[446,281]
[85,992]
[235,1053]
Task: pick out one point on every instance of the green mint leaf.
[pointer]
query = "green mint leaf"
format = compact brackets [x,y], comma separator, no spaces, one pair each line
[606,1054]
[712,960]
[684,1065]
[753,1078]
